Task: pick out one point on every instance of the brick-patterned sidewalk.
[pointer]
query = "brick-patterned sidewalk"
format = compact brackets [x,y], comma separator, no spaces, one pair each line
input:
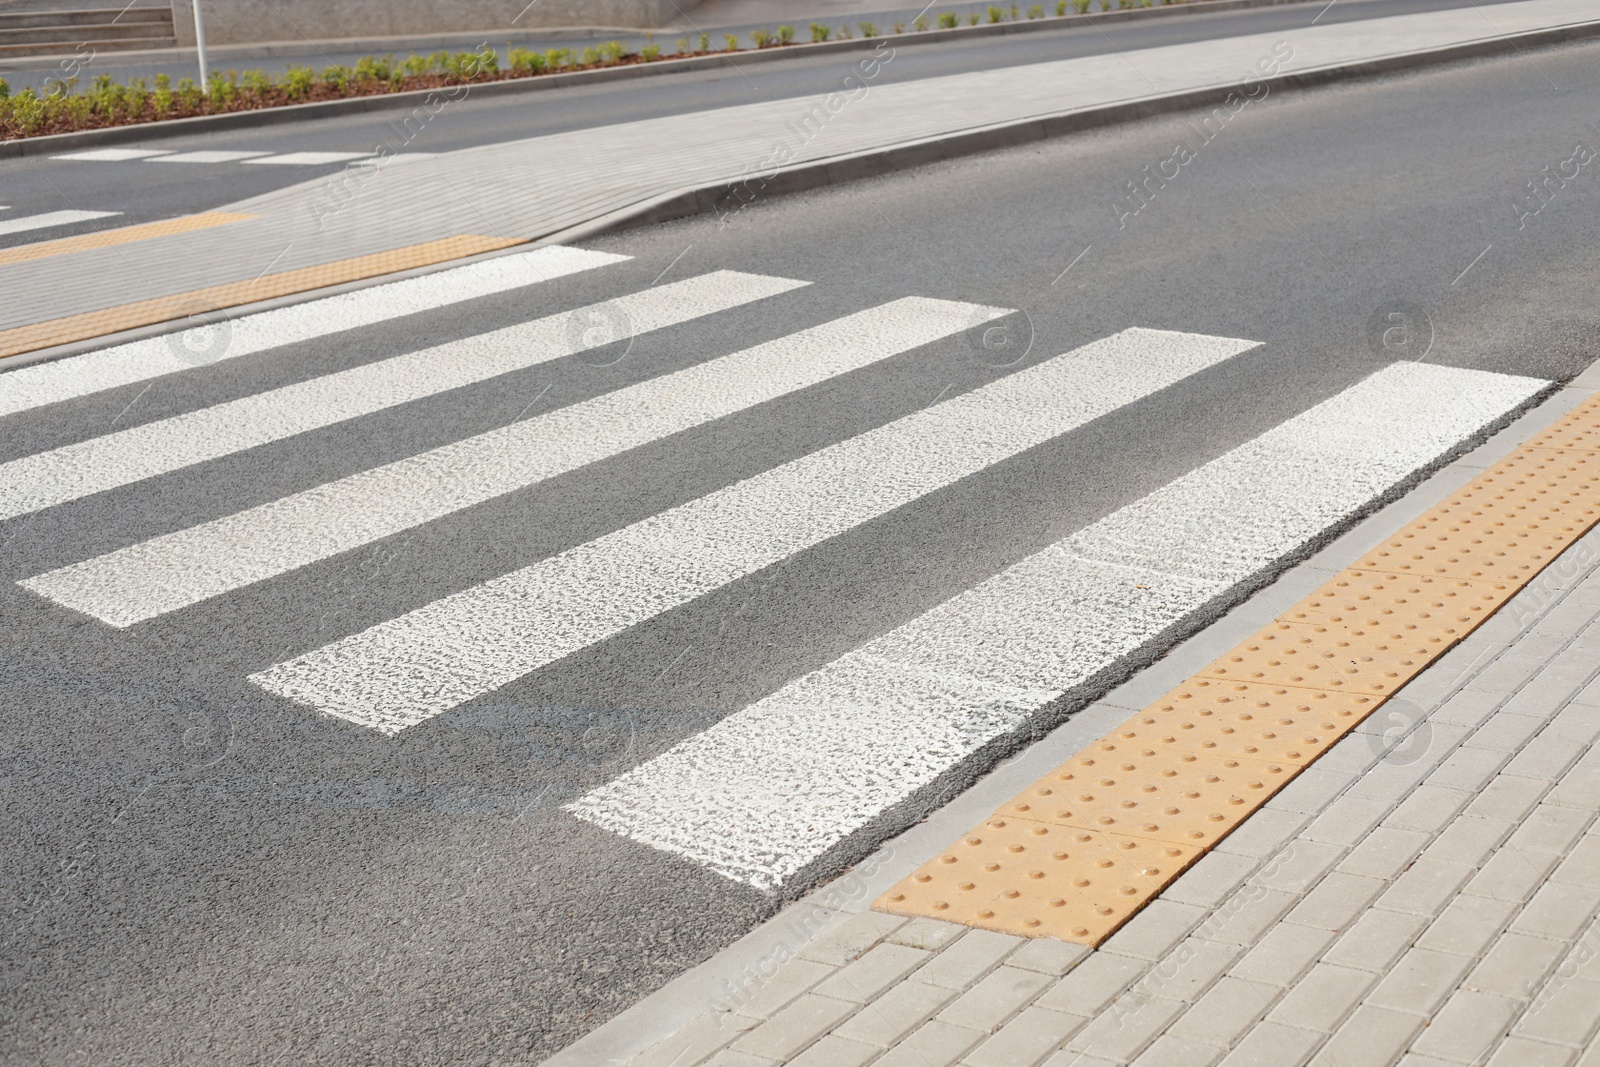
[1425,894]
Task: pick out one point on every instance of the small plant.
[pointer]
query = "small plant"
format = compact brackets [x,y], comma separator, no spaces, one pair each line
[819,32]
[786,34]
[683,45]
[899,27]
[973,18]
[868,29]
[1036,12]
[1082,6]
[948,20]
[705,42]
[762,38]
[612,52]
[335,78]
[650,52]
[844,33]
[556,58]
[589,58]
[5,90]
[921,24]
[297,82]
[1105,5]
[1061,8]
[733,42]
[1014,14]
[995,14]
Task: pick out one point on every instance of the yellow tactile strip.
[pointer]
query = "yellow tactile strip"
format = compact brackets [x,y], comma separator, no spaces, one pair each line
[162,309]
[1080,851]
[120,236]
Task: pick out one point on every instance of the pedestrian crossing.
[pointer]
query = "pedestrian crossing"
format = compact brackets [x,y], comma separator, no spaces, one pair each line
[771,788]
[253,157]
[47,220]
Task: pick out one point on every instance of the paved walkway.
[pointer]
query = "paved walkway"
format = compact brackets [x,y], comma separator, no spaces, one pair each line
[1425,894]
[542,186]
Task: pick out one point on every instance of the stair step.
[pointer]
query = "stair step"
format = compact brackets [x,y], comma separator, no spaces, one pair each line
[108,16]
[70,47]
[72,35]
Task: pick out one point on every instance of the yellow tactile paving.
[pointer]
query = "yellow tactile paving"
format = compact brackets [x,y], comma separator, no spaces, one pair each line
[120,236]
[1081,850]
[148,312]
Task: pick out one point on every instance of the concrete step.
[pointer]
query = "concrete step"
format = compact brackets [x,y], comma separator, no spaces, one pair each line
[110,16]
[64,48]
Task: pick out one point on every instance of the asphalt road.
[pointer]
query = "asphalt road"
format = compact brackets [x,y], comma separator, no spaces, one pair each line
[145,191]
[199,871]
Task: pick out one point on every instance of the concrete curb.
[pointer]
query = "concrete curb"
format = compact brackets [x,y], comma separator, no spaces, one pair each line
[274,116]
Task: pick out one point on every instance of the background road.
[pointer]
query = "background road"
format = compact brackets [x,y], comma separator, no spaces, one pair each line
[142,191]
[206,872]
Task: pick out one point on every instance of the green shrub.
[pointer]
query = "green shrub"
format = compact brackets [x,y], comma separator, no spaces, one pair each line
[733,42]
[920,24]
[948,20]
[297,82]
[556,58]
[612,52]
[995,14]
[762,38]
[589,58]
[683,45]
[705,43]
[5,90]
[1036,12]
[868,29]
[786,34]
[650,52]
[1061,8]
[819,32]
[256,81]
[336,77]
[524,60]
[370,69]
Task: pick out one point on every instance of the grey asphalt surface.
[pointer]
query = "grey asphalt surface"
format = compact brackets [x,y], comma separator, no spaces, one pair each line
[144,192]
[198,873]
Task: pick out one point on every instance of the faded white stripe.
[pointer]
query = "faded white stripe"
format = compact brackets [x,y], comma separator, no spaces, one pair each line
[73,471]
[51,218]
[409,669]
[137,361]
[179,569]
[771,788]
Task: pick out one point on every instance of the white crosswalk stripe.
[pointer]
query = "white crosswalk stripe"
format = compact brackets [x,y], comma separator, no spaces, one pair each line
[771,788]
[73,471]
[137,361]
[115,155]
[50,219]
[405,671]
[174,571]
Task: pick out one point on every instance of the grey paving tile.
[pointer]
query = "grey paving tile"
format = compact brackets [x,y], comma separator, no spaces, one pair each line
[1225,1012]
[1298,865]
[1392,780]
[934,1044]
[834,1051]
[1419,982]
[1467,925]
[930,934]
[795,1027]
[1212,879]
[1322,999]
[1469,839]
[1247,915]
[1336,901]
[1049,956]
[1384,853]
[1346,820]
[733,1058]
[999,995]
[699,1040]
[1026,1040]
[1122,1032]
[1547,756]
[1377,939]
[1515,965]
[1312,790]
[1369,1036]
[1468,768]
[876,970]
[1578,788]
[1272,1045]
[900,1010]
[1512,874]
[1153,932]
[1567,1012]
[1283,955]
[1520,1052]
[1425,886]
[793,978]
[968,959]
[1269,829]
[1469,1026]
[1468,708]
[1170,1051]
[1559,911]
[1505,731]
[1428,809]
[1550,828]
[1093,984]
[852,937]
[1188,970]
[1581,865]
[1508,796]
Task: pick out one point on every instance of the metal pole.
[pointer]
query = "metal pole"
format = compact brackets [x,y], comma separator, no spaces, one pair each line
[200,45]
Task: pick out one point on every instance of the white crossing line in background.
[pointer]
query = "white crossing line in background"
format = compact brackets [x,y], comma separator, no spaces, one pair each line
[171,572]
[49,219]
[115,155]
[48,478]
[771,788]
[137,361]
[207,156]
[405,671]
[308,159]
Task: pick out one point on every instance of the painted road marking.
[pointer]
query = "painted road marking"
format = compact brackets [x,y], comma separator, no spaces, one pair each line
[91,324]
[309,159]
[172,572]
[119,236]
[137,361]
[48,478]
[407,670]
[771,788]
[207,156]
[116,155]
[49,219]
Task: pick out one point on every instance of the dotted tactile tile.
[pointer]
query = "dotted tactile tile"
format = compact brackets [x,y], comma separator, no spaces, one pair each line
[1236,719]
[163,309]
[1183,772]
[1132,784]
[1038,879]
[120,236]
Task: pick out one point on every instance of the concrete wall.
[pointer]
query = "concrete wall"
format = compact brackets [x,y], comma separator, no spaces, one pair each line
[256,21]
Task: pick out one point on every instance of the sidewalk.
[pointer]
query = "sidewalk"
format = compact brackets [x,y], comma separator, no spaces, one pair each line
[1425,893]
[563,186]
